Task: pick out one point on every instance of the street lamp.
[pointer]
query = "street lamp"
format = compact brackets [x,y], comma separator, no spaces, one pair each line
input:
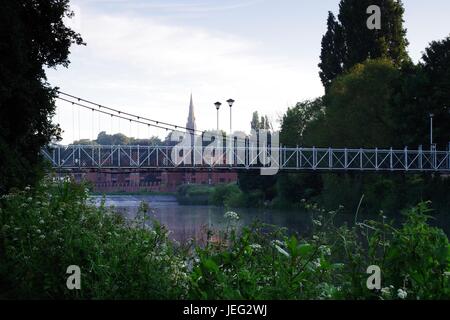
[230,103]
[217,104]
[431,129]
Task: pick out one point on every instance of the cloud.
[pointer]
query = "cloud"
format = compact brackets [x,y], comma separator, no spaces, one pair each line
[186,6]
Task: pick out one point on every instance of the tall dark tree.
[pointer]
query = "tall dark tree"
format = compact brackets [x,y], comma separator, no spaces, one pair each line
[424,89]
[436,68]
[32,36]
[349,41]
[332,55]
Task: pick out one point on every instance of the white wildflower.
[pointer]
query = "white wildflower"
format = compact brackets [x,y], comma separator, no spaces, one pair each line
[277,242]
[386,292]
[402,294]
[316,263]
[231,215]
[255,246]
[317,222]
[325,250]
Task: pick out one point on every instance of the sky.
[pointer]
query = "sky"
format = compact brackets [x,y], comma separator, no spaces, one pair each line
[146,57]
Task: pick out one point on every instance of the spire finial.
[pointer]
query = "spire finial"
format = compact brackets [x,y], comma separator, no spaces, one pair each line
[191,117]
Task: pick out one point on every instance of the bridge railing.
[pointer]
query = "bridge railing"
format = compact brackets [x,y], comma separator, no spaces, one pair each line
[162,157]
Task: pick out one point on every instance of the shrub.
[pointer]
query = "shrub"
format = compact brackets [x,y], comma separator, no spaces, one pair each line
[194,194]
[43,231]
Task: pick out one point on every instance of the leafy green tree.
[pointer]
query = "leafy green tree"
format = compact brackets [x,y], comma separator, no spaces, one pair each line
[349,41]
[33,36]
[436,69]
[298,119]
[260,123]
[359,107]
[105,139]
[424,89]
[293,187]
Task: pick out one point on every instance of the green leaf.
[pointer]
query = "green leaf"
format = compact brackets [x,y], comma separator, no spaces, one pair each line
[305,249]
[211,266]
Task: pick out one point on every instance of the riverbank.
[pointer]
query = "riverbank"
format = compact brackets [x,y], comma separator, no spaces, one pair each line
[137,193]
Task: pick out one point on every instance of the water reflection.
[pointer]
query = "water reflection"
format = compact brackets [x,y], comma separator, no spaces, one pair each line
[192,222]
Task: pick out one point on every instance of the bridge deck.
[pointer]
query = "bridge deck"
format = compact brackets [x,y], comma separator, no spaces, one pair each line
[165,157]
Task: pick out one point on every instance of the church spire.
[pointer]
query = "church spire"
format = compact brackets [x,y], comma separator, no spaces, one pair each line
[191,117]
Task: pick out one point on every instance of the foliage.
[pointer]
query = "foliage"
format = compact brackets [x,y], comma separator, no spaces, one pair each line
[194,194]
[222,195]
[348,41]
[359,109]
[373,105]
[105,139]
[332,53]
[46,229]
[263,262]
[33,36]
[222,192]
[423,90]
[260,123]
[297,120]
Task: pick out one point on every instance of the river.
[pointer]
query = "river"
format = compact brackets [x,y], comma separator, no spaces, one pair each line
[191,222]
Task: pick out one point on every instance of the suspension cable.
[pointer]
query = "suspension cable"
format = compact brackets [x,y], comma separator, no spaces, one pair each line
[140,120]
[100,106]
[117,116]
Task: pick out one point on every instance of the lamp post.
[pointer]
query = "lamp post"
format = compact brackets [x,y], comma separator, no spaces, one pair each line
[230,103]
[431,129]
[217,104]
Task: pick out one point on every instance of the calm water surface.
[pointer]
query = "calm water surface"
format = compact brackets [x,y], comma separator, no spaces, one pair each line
[187,222]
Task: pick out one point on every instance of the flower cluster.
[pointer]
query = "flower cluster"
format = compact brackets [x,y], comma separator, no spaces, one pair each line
[231,215]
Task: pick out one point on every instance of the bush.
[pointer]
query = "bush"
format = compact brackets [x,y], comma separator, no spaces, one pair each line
[194,194]
[264,262]
[45,230]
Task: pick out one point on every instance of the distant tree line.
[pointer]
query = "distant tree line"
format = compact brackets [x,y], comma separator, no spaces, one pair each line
[105,139]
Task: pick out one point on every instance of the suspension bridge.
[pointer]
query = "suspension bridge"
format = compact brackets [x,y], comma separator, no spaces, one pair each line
[241,154]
